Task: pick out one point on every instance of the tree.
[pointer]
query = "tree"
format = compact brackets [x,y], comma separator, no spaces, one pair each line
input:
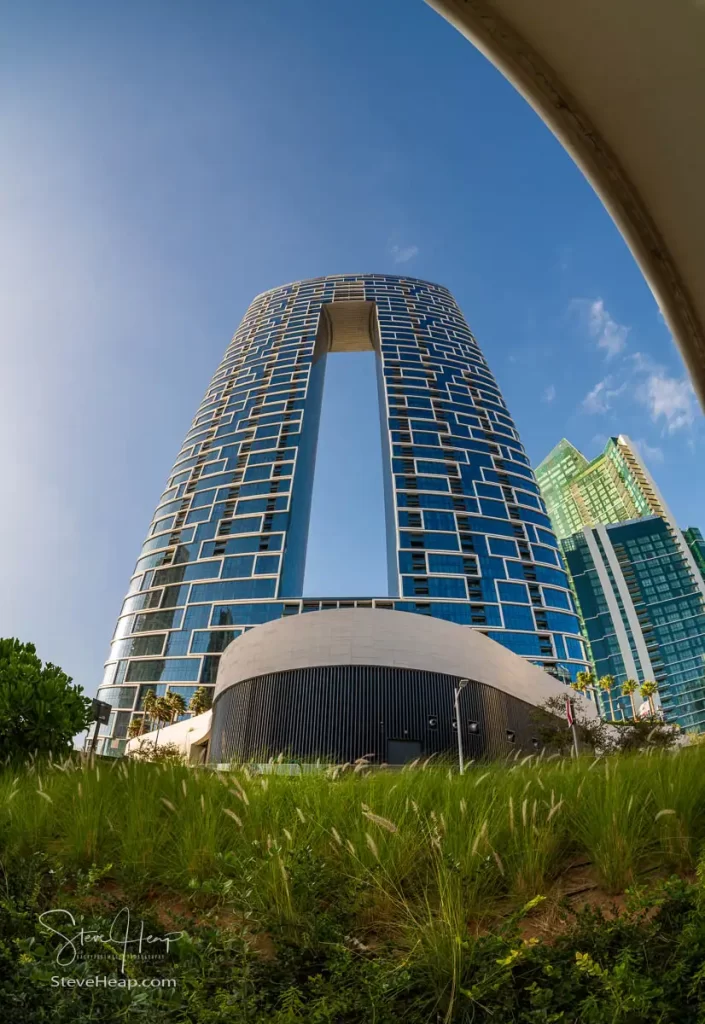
[162,713]
[41,710]
[177,704]
[149,706]
[629,688]
[606,683]
[555,733]
[647,690]
[200,701]
[135,727]
[583,681]
[644,734]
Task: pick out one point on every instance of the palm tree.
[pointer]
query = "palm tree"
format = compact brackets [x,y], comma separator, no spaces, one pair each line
[629,688]
[647,690]
[149,706]
[606,683]
[177,704]
[134,728]
[162,713]
[583,681]
[200,701]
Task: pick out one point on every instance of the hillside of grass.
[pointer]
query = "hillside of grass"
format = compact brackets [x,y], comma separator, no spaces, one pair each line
[531,890]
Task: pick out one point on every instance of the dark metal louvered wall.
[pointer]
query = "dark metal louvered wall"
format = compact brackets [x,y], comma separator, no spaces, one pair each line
[347,711]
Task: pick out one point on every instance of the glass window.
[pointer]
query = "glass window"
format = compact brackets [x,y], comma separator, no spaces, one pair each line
[245,614]
[518,616]
[502,547]
[556,598]
[233,590]
[179,640]
[560,622]
[267,565]
[213,641]
[516,592]
[139,646]
[159,689]
[237,567]
[520,643]
[488,507]
[148,621]
[575,648]
[439,521]
[163,669]
[118,696]
[440,541]
[209,670]
[445,564]
[198,515]
[201,570]
[447,586]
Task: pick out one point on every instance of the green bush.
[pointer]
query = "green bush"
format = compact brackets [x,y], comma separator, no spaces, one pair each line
[40,711]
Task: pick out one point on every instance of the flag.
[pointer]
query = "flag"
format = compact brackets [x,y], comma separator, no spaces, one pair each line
[569,711]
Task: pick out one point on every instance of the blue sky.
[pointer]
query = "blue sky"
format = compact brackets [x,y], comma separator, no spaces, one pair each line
[162,163]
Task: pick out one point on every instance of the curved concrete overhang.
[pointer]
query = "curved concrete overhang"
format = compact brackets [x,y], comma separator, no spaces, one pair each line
[621,83]
[375,636]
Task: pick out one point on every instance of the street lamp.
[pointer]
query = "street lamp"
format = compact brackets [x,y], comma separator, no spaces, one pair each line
[462,683]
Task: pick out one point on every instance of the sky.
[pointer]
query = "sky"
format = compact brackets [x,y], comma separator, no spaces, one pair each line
[161,163]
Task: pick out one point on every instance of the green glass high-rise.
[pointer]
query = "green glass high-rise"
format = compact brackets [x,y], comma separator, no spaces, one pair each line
[637,579]
[612,488]
[696,542]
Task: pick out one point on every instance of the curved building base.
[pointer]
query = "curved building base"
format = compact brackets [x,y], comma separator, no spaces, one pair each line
[340,685]
[343,712]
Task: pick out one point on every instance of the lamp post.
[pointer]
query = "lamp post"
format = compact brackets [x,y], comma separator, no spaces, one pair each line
[462,683]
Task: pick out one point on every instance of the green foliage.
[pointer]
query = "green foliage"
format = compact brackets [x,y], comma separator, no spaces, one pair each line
[201,701]
[351,896]
[554,731]
[644,734]
[162,753]
[40,710]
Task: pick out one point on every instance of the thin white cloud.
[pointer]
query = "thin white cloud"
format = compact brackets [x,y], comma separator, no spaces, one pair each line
[404,253]
[649,453]
[600,399]
[550,393]
[670,399]
[611,336]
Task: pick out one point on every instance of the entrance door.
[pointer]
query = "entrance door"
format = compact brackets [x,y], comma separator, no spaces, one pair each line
[402,751]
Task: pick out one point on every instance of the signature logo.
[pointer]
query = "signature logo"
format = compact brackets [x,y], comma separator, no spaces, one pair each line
[122,936]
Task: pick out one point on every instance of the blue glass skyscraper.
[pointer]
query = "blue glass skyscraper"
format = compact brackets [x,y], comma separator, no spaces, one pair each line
[643,605]
[468,537]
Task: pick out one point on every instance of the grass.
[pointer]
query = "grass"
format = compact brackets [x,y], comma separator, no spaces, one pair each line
[415,862]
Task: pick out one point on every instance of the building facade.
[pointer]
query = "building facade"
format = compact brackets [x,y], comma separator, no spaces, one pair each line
[643,611]
[468,536]
[696,542]
[614,487]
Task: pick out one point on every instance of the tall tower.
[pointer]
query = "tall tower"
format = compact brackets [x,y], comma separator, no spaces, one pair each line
[468,537]
[614,487]
[643,610]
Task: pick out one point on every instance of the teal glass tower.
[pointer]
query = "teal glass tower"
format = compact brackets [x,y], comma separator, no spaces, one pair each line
[468,537]
[643,607]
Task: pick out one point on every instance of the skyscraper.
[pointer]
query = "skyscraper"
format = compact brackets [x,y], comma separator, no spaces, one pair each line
[643,611]
[614,487]
[695,541]
[468,537]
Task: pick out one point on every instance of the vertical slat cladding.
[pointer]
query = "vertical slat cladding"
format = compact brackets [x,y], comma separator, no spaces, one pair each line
[335,712]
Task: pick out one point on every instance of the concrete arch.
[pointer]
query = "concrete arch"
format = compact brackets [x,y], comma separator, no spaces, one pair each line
[622,86]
